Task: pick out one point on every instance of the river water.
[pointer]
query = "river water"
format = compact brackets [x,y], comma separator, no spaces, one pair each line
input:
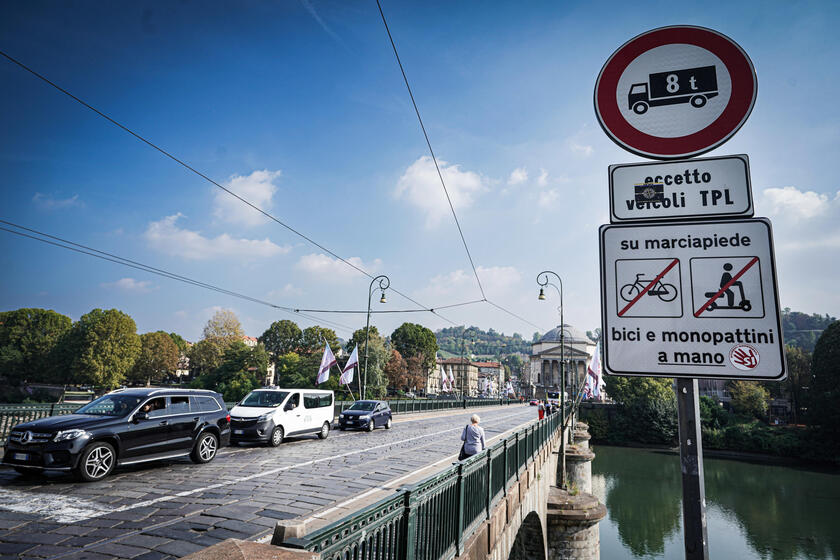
[754,511]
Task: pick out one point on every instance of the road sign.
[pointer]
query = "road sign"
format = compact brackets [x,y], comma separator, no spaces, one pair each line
[675,92]
[697,188]
[693,300]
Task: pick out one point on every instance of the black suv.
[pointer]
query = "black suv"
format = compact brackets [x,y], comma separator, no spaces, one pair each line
[123,427]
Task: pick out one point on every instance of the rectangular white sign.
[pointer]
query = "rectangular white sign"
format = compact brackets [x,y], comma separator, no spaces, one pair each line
[679,190]
[695,300]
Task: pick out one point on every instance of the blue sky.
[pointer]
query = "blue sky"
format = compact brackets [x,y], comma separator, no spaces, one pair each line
[300,107]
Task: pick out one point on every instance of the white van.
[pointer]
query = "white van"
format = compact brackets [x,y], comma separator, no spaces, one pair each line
[272,414]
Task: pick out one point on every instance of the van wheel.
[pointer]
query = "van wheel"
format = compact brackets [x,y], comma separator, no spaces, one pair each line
[97,462]
[325,431]
[276,436]
[205,448]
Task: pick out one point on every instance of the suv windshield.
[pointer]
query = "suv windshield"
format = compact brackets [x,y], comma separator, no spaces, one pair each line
[264,398]
[111,405]
[363,405]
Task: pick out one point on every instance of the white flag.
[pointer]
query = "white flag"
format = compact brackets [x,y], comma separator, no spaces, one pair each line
[327,361]
[443,386]
[349,367]
[451,379]
[592,388]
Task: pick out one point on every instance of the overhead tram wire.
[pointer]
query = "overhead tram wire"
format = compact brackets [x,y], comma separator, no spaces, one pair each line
[208,179]
[440,175]
[83,249]
[431,151]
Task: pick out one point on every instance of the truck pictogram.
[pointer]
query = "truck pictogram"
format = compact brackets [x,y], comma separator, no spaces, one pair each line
[691,85]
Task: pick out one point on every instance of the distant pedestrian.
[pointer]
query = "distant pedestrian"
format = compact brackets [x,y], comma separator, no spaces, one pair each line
[541,410]
[473,438]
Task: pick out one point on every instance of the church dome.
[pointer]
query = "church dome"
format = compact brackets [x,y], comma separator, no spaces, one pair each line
[572,335]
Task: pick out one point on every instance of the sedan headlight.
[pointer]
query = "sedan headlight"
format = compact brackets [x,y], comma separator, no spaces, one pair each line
[264,417]
[66,435]
[365,417]
[341,415]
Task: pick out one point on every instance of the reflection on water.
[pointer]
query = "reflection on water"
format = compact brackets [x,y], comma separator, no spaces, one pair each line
[753,510]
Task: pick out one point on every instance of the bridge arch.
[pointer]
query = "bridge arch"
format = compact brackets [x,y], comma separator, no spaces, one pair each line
[529,543]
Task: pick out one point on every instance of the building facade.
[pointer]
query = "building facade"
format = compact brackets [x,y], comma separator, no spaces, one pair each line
[466,377]
[554,354]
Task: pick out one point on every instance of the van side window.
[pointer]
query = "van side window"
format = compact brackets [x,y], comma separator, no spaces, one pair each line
[179,405]
[326,400]
[311,400]
[294,399]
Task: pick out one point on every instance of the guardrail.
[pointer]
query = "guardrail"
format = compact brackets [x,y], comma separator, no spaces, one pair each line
[432,519]
[14,414]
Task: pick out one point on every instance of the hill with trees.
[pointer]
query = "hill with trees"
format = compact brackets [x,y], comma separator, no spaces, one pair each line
[480,342]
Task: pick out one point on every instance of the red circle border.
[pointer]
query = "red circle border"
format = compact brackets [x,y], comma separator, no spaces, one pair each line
[741,100]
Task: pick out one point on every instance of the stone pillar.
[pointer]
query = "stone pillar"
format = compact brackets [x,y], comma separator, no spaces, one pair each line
[581,435]
[579,469]
[572,526]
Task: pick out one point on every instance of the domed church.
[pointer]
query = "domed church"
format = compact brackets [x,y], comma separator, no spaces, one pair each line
[548,353]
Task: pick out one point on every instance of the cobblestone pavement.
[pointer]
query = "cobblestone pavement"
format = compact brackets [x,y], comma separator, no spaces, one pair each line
[170,509]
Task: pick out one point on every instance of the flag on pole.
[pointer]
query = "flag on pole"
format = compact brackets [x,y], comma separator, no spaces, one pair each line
[592,388]
[350,367]
[451,379]
[327,361]
[443,386]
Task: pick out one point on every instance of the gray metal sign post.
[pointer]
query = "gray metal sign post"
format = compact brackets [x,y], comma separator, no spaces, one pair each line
[691,465]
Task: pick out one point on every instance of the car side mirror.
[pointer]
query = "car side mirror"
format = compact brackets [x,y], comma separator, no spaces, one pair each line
[290,406]
[140,416]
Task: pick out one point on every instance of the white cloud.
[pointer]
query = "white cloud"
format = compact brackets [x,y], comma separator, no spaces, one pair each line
[581,149]
[542,180]
[329,269]
[794,203]
[165,236]
[421,186]
[547,198]
[130,285]
[518,176]
[258,188]
[286,291]
[49,202]
[496,280]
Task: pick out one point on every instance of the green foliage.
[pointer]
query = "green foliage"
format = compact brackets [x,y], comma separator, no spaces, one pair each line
[225,325]
[824,394]
[378,356]
[712,415]
[29,339]
[749,398]
[240,372]
[282,337]
[158,358]
[477,341]
[798,379]
[206,355]
[101,348]
[803,330]
[413,340]
[756,437]
[637,390]
[179,342]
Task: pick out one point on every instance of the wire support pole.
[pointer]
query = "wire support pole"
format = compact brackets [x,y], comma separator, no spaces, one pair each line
[384,284]
[543,282]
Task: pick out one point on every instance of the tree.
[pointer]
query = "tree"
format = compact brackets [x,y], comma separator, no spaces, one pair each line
[824,393]
[282,337]
[158,358]
[635,390]
[205,356]
[225,325]
[179,342]
[377,357]
[416,372]
[28,342]
[798,379]
[312,340]
[411,339]
[749,398]
[240,372]
[396,370]
[102,347]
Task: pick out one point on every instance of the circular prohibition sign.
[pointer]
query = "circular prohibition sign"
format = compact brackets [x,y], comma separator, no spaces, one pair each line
[675,92]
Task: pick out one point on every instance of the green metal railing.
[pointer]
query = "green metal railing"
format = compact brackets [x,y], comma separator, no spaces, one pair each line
[432,519]
[14,414]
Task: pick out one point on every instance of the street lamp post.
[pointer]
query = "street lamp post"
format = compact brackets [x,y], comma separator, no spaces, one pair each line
[542,283]
[384,284]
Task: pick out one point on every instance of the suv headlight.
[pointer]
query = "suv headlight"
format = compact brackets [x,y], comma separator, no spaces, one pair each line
[264,417]
[66,435]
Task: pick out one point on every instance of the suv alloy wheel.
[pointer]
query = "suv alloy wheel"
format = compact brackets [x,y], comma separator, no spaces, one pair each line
[205,448]
[97,461]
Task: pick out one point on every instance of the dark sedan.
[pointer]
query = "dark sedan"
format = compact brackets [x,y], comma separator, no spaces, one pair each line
[366,415]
